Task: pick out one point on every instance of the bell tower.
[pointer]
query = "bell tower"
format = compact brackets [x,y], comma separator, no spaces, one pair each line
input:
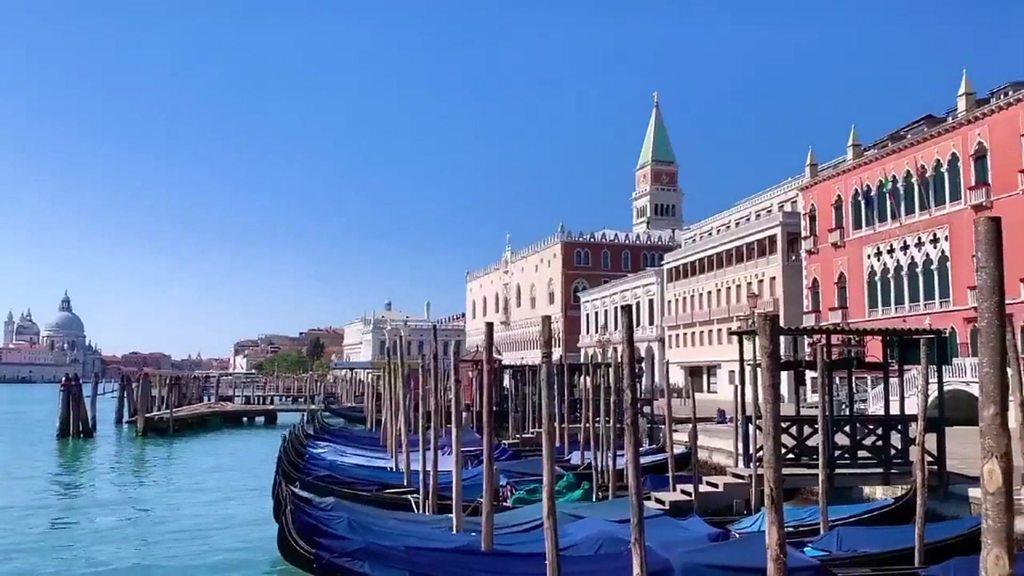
[657,199]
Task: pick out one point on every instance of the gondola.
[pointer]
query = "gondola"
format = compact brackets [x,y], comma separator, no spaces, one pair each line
[351,414]
[969,566]
[802,522]
[888,546]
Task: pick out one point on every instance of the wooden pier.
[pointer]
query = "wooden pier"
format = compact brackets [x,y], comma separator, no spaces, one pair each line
[215,413]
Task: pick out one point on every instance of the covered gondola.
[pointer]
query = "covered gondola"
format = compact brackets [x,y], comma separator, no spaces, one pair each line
[882,546]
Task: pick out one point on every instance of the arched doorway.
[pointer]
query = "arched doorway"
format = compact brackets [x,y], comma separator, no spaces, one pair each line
[961,408]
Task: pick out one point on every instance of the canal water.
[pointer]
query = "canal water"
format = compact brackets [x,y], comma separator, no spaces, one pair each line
[196,504]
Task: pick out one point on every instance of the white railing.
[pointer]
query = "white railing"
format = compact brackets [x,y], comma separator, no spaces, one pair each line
[979,195]
[961,370]
[837,236]
[810,243]
[839,315]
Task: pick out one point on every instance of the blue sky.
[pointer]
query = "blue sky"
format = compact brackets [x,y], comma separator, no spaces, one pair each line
[197,172]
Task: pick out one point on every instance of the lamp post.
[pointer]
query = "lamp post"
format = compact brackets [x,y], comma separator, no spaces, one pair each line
[604,341]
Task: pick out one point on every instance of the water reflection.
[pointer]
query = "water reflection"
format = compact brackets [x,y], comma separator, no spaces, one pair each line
[74,467]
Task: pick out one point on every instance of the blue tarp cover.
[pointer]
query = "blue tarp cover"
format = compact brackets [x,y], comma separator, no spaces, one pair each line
[744,555]
[849,540]
[659,482]
[969,566]
[796,516]
[593,540]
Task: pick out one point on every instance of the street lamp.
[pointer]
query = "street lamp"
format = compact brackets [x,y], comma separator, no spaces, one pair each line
[752,299]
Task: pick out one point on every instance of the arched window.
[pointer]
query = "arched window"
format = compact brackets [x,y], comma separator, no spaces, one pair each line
[872,290]
[497,304]
[577,257]
[841,295]
[533,296]
[980,162]
[586,257]
[627,261]
[938,184]
[924,195]
[812,221]
[882,203]
[815,295]
[953,343]
[519,296]
[974,341]
[909,194]
[473,308]
[856,210]
[551,292]
[899,295]
[578,286]
[943,273]
[659,258]
[869,207]
[645,260]
[606,259]
[484,300]
[928,279]
[895,197]
[913,283]
[955,179]
[838,213]
[885,287]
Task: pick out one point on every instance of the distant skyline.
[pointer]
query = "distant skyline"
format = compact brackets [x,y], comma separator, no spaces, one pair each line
[194,174]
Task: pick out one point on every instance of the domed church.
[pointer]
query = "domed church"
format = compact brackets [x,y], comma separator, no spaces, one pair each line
[31,355]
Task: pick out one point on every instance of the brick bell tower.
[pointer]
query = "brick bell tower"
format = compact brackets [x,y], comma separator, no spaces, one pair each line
[657,199]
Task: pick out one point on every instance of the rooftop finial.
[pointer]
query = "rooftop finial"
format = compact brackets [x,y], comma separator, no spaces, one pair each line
[853,148]
[965,85]
[811,165]
[854,140]
[811,159]
[965,98]
[655,97]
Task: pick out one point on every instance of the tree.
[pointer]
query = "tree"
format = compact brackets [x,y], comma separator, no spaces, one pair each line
[315,349]
[284,363]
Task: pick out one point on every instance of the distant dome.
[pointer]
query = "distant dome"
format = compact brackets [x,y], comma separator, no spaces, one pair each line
[66,322]
[26,327]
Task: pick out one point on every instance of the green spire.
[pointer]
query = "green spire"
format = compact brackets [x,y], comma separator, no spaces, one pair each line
[656,146]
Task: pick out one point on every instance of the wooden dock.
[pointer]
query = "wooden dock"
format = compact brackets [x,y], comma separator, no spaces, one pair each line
[217,413]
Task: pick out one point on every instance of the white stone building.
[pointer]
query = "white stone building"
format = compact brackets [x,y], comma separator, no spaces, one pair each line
[31,355]
[643,294]
[366,338]
[748,254]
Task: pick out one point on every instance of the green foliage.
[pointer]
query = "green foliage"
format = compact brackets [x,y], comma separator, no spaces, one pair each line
[284,363]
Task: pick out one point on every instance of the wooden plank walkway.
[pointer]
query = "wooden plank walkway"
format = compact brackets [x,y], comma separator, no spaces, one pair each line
[207,413]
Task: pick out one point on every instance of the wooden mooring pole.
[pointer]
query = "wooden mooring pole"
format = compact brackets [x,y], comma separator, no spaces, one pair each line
[436,419]
[771,376]
[1016,385]
[403,411]
[64,408]
[993,401]
[119,410]
[613,435]
[487,509]
[421,431]
[82,425]
[456,444]
[547,387]
[921,456]
[824,439]
[142,404]
[694,452]
[637,540]
[92,401]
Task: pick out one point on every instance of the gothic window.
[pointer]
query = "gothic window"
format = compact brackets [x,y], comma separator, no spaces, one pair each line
[869,207]
[645,260]
[913,283]
[636,314]
[909,194]
[895,197]
[551,292]
[943,274]
[872,290]
[812,221]
[882,203]
[885,288]
[606,259]
[577,257]
[627,261]
[955,180]
[952,341]
[980,162]
[484,299]
[841,296]
[497,304]
[472,307]
[837,213]
[928,279]
[924,195]
[659,258]
[815,295]
[856,210]
[650,311]
[938,184]
[533,296]
[519,296]
[899,296]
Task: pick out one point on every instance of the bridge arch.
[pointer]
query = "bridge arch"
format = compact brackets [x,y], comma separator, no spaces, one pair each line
[961,404]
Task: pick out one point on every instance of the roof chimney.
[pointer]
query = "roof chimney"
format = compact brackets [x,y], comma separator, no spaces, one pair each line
[965,97]
[811,166]
[853,148]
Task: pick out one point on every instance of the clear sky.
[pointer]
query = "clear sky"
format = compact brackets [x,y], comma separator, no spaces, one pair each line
[198,172]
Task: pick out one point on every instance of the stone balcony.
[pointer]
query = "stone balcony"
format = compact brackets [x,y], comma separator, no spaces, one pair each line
[810,243]
[979,195]
[837,236]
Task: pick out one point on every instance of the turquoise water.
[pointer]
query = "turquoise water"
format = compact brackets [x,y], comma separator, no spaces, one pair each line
[196,504]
